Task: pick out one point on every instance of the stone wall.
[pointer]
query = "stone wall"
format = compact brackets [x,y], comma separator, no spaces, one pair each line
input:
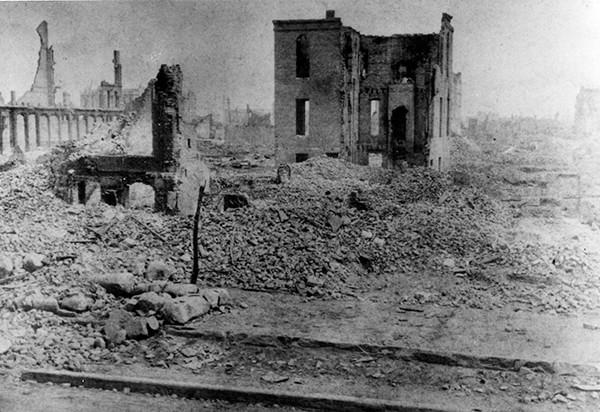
[321,88]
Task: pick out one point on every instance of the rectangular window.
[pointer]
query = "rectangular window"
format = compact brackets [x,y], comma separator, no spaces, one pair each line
[301,157]
[302,57]
[189,143]
[302,116]
[374,117]
[333,155]
[439,164]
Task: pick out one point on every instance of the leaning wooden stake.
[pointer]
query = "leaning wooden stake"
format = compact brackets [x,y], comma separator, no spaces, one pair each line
[195,268]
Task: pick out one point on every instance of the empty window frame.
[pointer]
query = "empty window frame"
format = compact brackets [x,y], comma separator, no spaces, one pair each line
[374,117]
[302,57]
[302,116]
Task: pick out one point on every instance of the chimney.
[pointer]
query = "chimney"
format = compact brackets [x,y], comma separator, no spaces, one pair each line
[13,97]
[330,14]
[117,66]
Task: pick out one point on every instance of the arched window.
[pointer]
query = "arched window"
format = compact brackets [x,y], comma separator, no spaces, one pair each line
[302,58]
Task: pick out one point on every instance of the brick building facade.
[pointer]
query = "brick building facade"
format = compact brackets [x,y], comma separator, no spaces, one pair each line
[368,99]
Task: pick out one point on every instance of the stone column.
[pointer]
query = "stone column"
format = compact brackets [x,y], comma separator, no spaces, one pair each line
[87,124]
[59,117]
[49,130]
[13,128]
[38,141]
[69,126]
[77,127]
[26,127]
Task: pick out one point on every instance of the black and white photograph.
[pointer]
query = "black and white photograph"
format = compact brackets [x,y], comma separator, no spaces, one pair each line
[300,205]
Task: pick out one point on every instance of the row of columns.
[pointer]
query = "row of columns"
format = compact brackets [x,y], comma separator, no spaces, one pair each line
[14,113]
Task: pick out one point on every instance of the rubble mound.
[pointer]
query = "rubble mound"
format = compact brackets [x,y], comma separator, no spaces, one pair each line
[336,225]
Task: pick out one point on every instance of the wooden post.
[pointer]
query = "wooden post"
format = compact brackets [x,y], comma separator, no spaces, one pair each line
[195,268]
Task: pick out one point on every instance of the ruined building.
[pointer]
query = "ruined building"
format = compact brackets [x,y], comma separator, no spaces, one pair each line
[173,171]
[368,99]
[587,112]
[110,95]
[43,89]
[36,119]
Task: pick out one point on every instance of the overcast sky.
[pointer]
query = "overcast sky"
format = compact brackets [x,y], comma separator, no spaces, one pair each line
[524,57]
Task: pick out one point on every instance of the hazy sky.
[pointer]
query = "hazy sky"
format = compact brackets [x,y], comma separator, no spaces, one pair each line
[517,56]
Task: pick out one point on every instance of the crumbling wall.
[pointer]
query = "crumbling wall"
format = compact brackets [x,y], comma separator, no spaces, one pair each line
[173,172]
[138,135]
[42,92]
[398,72]
[165,116]
[351,61]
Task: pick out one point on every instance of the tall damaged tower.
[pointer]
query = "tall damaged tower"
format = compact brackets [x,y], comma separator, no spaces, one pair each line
[43,89]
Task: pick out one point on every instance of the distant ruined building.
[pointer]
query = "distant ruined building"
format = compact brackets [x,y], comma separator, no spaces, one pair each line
[110,95]
[43,89]
[379,100]
[37,119]
[587,112]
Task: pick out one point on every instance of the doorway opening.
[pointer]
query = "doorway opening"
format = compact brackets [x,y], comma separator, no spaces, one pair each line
[399,116]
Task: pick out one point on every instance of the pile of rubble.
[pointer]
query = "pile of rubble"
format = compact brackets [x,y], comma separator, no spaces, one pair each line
[335,225]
